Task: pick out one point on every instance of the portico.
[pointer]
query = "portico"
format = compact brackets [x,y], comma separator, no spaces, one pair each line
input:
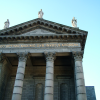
[44,61]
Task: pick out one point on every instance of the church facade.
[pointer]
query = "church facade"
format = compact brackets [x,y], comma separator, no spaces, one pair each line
[42,60]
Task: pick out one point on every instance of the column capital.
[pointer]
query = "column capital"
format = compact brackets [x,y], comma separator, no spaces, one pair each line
[77,55]
[50,55]
[2,57]
[22,56]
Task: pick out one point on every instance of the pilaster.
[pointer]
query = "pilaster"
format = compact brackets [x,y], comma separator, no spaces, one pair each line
[18,86]
[79,76]
[49,78]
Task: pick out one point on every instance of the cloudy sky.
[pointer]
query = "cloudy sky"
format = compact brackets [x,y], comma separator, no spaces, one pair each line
[87,13]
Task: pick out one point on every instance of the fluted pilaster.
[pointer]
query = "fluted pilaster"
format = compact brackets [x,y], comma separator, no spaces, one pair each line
[79,77]
[18,86]
[49,78]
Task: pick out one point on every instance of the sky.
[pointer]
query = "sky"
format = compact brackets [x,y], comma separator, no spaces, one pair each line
[87,13]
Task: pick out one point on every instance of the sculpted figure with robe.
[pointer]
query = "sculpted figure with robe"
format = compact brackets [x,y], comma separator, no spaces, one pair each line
[7,23]
[74,22]
[40,14]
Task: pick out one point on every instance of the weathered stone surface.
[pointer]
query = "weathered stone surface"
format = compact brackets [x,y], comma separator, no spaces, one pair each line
[37,32]
[90,91]
[49,82]
[18,86]
[79,76]
[54,79]
[4,75]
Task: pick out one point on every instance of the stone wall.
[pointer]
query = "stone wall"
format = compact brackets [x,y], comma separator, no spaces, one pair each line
[34,83]
[9,89]
[33,89]
[90,93]
[4,75]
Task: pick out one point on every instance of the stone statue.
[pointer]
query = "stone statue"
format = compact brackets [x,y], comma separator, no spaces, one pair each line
[7,23]
[40,14]
[74,22]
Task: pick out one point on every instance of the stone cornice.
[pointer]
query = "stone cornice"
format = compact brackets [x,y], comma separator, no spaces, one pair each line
[37,23]
[50,37]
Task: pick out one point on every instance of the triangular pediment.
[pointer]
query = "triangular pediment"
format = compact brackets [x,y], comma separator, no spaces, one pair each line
[37,32]
[38,24]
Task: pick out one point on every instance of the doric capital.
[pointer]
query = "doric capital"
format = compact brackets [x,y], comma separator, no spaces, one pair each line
[2,57]
[50,56]
[22,56]
[77,56]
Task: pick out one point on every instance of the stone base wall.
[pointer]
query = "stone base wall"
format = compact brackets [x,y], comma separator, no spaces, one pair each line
[9,89]
[90,91]
[34,84]
[33,89]
[4,76]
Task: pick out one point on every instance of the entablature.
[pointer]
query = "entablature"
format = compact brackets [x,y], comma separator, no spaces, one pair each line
[44,38]
[17,34]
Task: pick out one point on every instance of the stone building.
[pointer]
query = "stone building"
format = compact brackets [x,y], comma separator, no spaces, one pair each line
[42,60]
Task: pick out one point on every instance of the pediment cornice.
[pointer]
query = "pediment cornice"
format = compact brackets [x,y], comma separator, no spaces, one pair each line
[41,23]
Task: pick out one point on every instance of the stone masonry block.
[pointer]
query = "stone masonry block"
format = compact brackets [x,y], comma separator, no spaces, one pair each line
[49,63]
[81,89]
[20,70]
[49,83]
[21,64]
[49,90]
[16,97]
[78,63]
[17,90]
[81,97]
[48,97]
[79,76]
[49,70]
[49,76]
[20,76]
[80,82]
[19,83]
[79,69]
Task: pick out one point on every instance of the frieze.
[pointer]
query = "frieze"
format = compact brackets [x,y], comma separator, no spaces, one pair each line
[40,45]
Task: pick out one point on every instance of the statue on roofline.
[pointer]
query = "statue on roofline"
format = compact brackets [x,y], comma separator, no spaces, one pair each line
[74,22]
[7,23]
[40,14]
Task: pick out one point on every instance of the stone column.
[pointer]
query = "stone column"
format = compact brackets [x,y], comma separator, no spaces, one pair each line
[18,86]
[79,77]
[49,78]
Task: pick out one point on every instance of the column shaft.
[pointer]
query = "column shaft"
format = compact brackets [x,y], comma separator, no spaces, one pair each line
[49,78]
[18,86]
[79,78]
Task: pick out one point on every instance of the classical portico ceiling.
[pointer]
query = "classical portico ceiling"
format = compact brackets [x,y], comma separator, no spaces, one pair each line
[56,32]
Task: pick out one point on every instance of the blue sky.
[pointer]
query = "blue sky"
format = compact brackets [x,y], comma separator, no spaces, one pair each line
[87,13]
